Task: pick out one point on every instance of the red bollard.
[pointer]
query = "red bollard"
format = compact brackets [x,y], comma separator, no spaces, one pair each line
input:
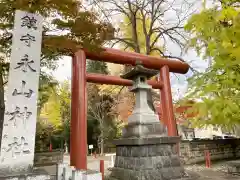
[50,147]
[102,168]
[207,159]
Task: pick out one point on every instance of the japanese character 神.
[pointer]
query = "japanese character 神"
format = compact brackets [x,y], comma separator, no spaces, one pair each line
[17,114]
[29,22]
[25,64]
[14,115]
[25,115]
[22,91]
[28,39]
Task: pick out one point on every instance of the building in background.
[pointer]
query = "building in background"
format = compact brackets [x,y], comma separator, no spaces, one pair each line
[184,126]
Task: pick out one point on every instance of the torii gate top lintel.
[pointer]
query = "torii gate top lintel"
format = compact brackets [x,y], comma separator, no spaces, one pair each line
[123,57]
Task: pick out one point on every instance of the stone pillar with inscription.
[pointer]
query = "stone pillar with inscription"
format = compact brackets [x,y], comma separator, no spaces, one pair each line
[145,152]
[18,135]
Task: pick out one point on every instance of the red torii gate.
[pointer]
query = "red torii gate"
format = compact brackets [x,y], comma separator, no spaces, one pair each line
[78,139]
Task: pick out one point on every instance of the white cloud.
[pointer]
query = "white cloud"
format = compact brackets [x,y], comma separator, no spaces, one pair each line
[64,70]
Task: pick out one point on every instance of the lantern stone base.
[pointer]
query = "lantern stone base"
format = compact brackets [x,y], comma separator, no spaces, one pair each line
[153,158]
[31,175]
[138,130]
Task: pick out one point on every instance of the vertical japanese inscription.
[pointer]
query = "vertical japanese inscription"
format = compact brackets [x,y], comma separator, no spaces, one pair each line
[27,93]
[25,64]
[29,21]
[18,114]
[16,147]
[28,39]
[21,106]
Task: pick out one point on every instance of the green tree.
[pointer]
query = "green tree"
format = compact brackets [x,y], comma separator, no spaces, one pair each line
[51,111]
[148,22]
[47,86]
[100,109]
[97,67]
[142,41]
[65,111]
[47,90]
[148,43]
[215,34]
[92,132]
[42,136]
[67,29]
[55,117]
[49,120]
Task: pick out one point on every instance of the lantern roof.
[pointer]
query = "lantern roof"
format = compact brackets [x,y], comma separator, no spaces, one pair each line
[139,70]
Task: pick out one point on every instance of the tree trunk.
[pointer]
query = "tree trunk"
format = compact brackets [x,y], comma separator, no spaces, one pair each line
[134,33]
[65,147]
[2,103]
[102,144]
[102,147]
[133,20]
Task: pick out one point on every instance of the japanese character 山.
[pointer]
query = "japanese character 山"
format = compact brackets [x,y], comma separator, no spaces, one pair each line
[22,91]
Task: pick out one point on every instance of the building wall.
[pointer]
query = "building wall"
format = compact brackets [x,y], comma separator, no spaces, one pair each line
[207,132]
[192,152]
[48,158]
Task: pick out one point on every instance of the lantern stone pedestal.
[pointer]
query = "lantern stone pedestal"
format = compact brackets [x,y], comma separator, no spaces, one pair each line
[145,152]
[147,159]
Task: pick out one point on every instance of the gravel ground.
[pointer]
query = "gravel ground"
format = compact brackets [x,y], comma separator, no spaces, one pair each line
[218,171]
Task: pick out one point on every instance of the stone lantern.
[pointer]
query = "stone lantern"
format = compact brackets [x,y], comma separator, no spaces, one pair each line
[145,152]
[143,122]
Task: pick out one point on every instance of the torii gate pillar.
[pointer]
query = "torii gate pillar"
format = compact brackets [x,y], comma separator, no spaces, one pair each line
[78,144]
[166,102]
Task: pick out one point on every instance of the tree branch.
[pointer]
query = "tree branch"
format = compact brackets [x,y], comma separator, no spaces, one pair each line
[133,15]
[119,8]
[174,57]
[126,41]
[147,38]
[5,83]
[161,33]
